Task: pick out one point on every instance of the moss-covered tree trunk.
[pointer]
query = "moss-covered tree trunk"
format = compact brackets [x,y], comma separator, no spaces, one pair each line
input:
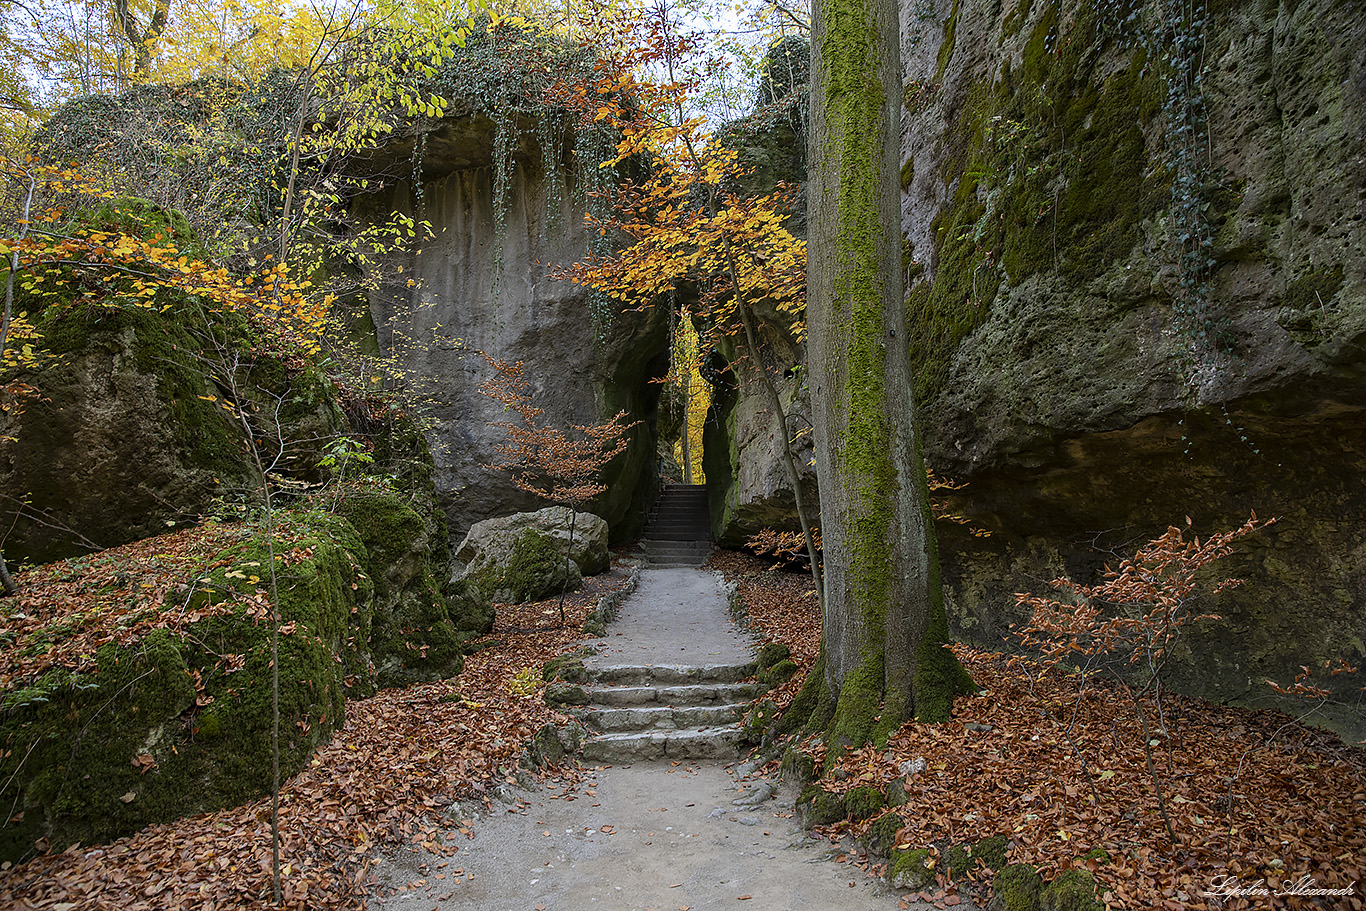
[884,612]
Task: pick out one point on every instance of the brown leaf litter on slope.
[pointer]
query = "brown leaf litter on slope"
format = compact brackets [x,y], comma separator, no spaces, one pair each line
[1259,801]
[390,774]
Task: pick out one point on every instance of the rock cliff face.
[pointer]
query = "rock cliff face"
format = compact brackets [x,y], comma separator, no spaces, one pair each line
[1137,293]
[1140,295]
[482,284]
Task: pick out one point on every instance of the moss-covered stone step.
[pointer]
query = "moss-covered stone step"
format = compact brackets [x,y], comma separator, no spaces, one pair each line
[670,674]
[663,718]
[687,694]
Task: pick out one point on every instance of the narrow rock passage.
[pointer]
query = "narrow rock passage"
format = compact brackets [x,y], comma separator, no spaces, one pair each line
[663,835]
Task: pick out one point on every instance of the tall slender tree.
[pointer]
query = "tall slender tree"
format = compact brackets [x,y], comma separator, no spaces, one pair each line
[882,655]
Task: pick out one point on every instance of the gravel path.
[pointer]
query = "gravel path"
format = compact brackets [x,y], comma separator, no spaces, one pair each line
[663,836]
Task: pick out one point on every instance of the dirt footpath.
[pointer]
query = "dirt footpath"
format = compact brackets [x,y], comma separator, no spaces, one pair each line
[649,836]
[657,835]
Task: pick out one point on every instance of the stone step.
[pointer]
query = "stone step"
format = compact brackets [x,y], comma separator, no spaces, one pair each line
[676,556]
[679,522]
[670,674]
[675,562]
[662,718]
[694,549]
[684,490]
[685,695]
[713,743]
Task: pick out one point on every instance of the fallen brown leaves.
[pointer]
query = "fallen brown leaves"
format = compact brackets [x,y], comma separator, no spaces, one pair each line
[403,756]
[1253,795]
[65,611]
[782,608]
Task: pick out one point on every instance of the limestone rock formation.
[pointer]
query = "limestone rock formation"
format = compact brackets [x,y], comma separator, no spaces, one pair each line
[125,435]
[1119,324]
[1132,303]
[521,557]
[482,283]
[748,486]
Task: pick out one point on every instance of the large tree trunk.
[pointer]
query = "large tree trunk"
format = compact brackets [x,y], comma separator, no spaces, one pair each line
[884,613]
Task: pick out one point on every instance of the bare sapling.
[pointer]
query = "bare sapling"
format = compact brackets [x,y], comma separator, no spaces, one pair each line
[1127,625]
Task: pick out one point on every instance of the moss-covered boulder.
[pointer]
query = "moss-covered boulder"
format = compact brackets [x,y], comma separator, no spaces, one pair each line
[992,851]
[779,673]
[176,723]
[770,653]
[417,630]
[568,667]
[558,695]
[862,802]
[818,807]
[759,720]
[132,427]
[1016,887]
[522,557]
[911,869]
[121,439]
[880,836]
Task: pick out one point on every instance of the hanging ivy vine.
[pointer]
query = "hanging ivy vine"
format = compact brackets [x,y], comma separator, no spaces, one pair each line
[516,77]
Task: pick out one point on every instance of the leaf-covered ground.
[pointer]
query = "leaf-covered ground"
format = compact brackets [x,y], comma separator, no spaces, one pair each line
[1257,800]
[65,611]
[403,756]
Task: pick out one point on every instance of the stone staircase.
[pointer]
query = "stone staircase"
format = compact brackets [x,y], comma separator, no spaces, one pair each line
[678,532]
[650,712]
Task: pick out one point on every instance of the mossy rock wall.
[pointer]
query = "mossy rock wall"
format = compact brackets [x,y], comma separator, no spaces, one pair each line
[483,284]
[120,439]
[1091,385]
[91,757]
[127,433]
[418,627]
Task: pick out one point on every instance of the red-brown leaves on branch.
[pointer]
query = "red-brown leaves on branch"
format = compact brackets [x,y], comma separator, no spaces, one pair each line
[1137,611]
[545,460]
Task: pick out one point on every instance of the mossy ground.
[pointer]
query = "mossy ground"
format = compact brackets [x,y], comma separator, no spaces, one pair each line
[196,707]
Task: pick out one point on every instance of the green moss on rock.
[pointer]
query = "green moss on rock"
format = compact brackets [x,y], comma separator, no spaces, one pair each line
[911,869]
[1016,887]
[862,802]
[819,807]
[1048,171]
[759,720]
[778,673]
[1074,890]
[417,629]
[880,837]
[770,653]
[991,851]
[560,694]
[568,667]
[137,741]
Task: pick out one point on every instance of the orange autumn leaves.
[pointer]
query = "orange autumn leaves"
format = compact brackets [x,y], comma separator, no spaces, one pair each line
[84,244]
[684,218]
